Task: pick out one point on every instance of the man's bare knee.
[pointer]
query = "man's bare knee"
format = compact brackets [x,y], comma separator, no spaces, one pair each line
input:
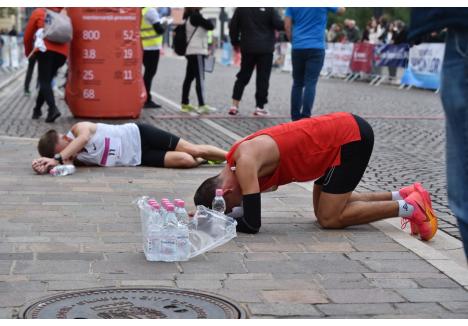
[329,222]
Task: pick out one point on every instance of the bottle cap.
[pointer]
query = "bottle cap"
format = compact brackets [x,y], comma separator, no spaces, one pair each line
[170,208]
[180,203]
[164,199]
[219,192]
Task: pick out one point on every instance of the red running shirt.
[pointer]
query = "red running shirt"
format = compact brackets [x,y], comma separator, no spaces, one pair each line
[307,147]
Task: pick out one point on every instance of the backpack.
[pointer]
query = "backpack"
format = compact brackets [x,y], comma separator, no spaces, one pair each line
[179,41]
[57,27]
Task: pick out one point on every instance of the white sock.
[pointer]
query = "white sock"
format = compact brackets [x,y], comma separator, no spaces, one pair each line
[396,195]
[405,209]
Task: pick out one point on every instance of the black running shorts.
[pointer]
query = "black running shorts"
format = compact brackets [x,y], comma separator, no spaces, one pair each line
[155,143]
[354,159]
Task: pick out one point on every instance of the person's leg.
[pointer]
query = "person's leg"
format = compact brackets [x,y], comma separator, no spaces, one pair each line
[150,65]
[44,70]
[29,73]
[189,77]
[243,77]
[336,211]
[206,152]
[454,94]
[200,79]
[298,70]
[264,65]
[313,67]
[58,60]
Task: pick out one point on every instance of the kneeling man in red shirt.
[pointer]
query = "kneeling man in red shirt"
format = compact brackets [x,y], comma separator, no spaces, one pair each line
[333,149]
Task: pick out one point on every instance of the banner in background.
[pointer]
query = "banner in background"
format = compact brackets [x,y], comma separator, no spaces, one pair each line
[391,55]
[424,65]
[287,65]
[327,67]
[341,54]
[363,55]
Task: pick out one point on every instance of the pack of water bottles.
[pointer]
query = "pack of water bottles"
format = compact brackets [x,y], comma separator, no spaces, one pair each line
[170,234]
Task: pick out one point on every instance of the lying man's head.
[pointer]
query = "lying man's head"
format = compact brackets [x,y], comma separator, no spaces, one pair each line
[231,191]
[52,143]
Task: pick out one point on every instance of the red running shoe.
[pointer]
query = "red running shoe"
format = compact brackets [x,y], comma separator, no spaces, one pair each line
[423,216]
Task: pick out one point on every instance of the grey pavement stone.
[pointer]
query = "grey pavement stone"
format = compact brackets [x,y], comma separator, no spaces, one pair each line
[69,256]
[363,296]
[77,285]
[6,313]
[400,255]
[58,267]
[277,310]
[421,275]
[434,295]
[271,284]
[437,283]
[244,296]
[199,284]
[133,267]
[410,266]
[5,267]
[357,310]
[431,309]
[456,306]
[320,263]
[393,283]
[16,256]
[22,286]
[213,267]
[294,296]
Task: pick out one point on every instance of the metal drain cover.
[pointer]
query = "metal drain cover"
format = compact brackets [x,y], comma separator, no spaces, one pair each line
[133,303]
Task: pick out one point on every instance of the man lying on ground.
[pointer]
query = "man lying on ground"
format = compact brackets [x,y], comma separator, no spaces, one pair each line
[334,149]
[128,144]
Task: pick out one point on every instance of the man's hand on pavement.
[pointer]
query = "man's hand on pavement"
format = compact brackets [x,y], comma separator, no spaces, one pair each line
[43,165]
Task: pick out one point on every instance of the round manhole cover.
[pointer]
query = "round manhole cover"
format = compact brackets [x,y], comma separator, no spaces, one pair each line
[133,303]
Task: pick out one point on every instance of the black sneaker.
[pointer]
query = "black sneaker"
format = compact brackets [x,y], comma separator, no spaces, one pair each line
[151,105]
[36,114]
[53,114]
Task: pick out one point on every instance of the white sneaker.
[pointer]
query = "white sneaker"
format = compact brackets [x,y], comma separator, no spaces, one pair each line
[261,112]
[204,109]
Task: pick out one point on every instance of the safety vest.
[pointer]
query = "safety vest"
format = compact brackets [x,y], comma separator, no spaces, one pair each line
[149,37]
[210,37]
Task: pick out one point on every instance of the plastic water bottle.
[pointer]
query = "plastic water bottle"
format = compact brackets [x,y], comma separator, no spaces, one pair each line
[62,170]
[218,203]
[183,242]
[180,212]
[153,240]
[168,247]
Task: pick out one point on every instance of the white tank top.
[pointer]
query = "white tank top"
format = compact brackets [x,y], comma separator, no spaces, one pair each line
[112,145]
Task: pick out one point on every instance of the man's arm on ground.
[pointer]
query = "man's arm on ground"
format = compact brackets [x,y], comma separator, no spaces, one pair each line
[247,176]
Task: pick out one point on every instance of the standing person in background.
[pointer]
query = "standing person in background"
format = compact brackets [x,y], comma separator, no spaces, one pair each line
[151,33]
[197,49]
[305,29]
[29,72]
[49,62]
[454,94]
[352,31]
[253,31]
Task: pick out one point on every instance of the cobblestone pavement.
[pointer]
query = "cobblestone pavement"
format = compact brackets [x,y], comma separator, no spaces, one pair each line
[82,231]
[408,125]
